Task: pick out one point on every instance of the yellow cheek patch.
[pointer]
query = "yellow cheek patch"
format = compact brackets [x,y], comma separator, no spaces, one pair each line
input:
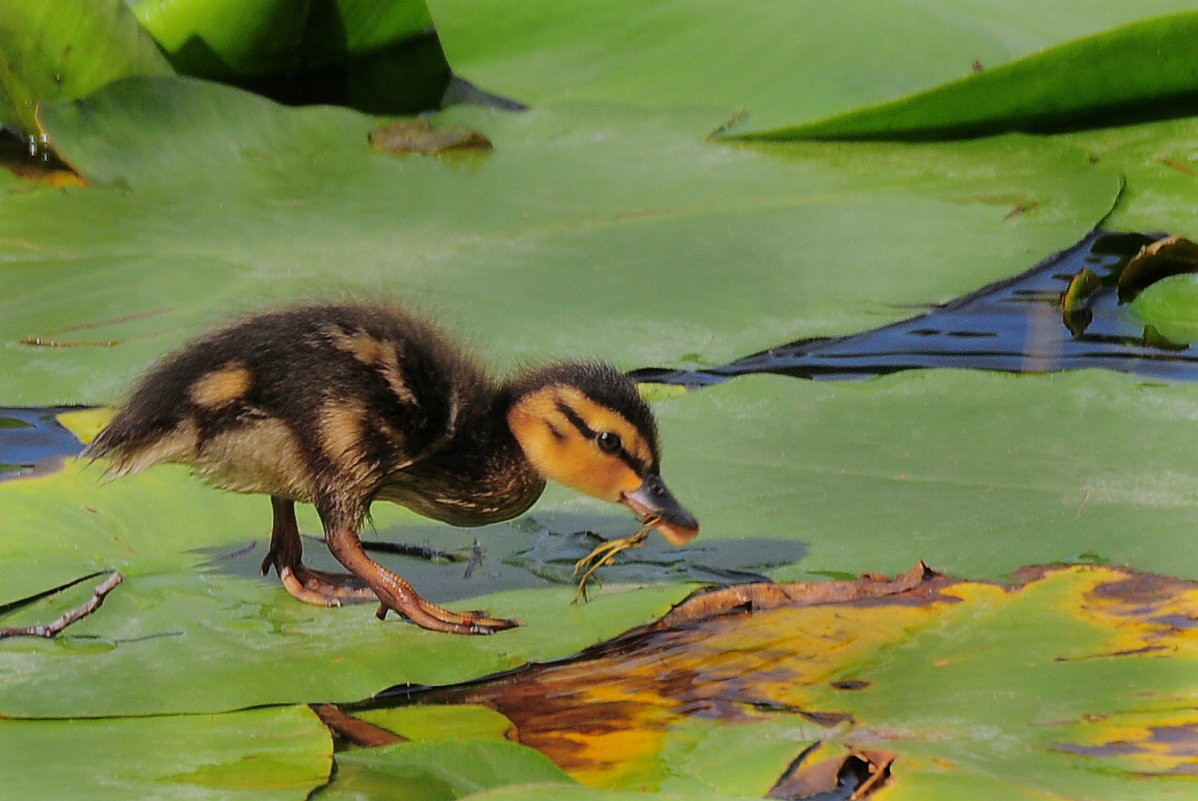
[582,466]
[601,418]
[221,387]
[560,451]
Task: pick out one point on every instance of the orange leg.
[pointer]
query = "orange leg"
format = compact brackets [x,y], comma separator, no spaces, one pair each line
[307,585]
[397,594]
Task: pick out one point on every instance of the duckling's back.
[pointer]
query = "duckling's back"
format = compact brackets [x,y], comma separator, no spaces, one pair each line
[290,402]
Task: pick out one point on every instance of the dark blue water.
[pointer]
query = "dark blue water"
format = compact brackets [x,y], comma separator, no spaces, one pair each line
[1014,326]
[33,437]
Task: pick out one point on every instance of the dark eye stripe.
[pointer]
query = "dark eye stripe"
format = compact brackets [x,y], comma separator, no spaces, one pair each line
[634,463]
[576,420]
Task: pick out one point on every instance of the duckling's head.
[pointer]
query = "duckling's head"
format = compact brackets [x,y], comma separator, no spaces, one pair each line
[586,426]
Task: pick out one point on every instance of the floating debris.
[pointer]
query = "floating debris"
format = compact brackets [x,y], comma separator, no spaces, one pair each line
[419,136]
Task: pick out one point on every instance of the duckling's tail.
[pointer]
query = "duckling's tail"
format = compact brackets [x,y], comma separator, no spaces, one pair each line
[128,453]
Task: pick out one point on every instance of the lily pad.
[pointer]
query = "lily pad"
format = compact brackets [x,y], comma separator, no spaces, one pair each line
[67,49]
[443,770]
[380,56]
[950,482]
[780,62]
[1158,161]
[1139,70]
[603,223]
[257,755]
[1171,307]
[617,204]
[230,38]
[177,609]
[954,467]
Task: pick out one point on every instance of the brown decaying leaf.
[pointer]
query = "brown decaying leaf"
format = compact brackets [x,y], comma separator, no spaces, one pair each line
[746,654]
[419,136]
[1173,749]
[599,713]
[760,597]
[1173,255]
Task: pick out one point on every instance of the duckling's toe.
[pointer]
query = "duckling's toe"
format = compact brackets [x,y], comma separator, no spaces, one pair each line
[428,615]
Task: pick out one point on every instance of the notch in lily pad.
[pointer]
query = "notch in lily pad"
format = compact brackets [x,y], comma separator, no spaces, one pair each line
[419,136]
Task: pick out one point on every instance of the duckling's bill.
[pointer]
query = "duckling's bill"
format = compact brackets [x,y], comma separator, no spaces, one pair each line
[654,504]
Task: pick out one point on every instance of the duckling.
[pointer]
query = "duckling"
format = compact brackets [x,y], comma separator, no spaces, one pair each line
[342,404]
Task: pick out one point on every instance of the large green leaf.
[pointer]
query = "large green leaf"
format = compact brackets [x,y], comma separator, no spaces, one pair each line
[975,473]
[66,49]
[1145,68]
[782,61]
[1159,163]
[259,755]
[236,38]
[1171,306]
[440,770]
[192,597]
[606,211]
[375,55]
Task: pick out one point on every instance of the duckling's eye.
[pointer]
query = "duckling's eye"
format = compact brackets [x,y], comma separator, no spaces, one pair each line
[608,441]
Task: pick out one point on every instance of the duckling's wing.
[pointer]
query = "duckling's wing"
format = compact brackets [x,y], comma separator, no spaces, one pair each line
[291,401]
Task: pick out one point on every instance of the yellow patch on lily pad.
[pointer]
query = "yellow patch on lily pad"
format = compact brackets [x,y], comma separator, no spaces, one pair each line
[85,424]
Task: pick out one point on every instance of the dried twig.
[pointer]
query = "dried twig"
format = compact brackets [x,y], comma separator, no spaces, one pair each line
[70,616]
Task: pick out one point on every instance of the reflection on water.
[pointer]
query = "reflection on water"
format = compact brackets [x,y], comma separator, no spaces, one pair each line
[530,552]
[1013,326]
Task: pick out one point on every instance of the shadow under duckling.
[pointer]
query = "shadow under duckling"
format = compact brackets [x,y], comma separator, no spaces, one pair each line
[340,405]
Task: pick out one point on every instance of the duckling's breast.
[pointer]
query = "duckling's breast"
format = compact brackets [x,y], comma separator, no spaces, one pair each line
[479,477]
